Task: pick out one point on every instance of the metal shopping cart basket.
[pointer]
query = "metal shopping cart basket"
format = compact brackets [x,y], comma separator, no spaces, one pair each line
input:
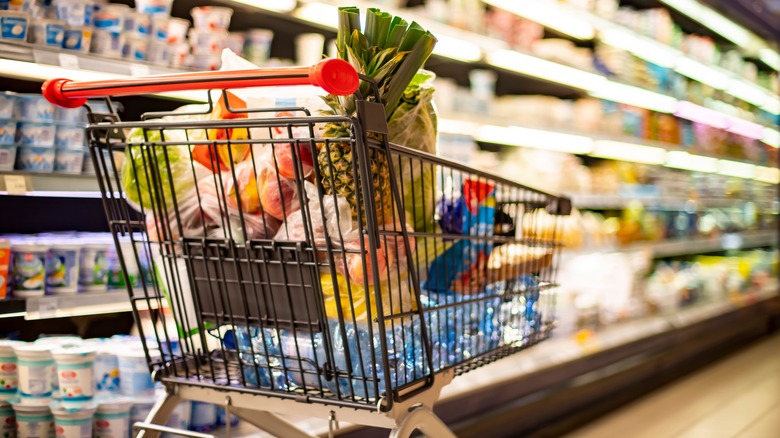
[309,266]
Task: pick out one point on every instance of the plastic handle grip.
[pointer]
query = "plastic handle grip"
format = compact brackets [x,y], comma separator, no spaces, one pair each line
[333,75]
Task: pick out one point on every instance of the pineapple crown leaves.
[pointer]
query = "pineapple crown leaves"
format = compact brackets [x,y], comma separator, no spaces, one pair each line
[390,51]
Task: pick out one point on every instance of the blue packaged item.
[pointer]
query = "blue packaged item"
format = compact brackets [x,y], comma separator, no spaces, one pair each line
[35,134]
[463,267]
[77,38]
[7,157]
[69,161]
[35,159]
[70,136]
[33,108]
[74,12]
[222,418]
[203,417]
[7,131]
[14,25]
[7,103]
[47,32]
[70,116]
[62,269]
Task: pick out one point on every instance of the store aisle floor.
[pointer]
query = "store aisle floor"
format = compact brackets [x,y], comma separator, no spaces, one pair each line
[737,397]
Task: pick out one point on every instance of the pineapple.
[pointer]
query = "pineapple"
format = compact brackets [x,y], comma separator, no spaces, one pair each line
[390,52]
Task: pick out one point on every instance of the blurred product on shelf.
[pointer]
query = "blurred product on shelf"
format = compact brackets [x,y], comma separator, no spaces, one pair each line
[69,263]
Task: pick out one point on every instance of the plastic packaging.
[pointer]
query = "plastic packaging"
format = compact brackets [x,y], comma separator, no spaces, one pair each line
[7,131]
[75,371]
[112,419]
[71,116]
[7,105]
[235,42]
[93,267]
[77,38]
[73,423]
[62,268]
[35,158]
[14,25]
[33,108]
[207,42]
[159,28]
[7,420]
[205,62]
[258,45]
[7,156]
[69,161]
[140,410]
[135,379]
[158,53]
[49,33]
[178,55]
[211,18]
[177,31]
[69,136]
[107,43]
[106,371]
[154,7]
[110,17]
[28,270]
[36,366]
[9,375]
[74,12]
[135,48]
[33,421]
[203,417]
[137,23]
[35,134]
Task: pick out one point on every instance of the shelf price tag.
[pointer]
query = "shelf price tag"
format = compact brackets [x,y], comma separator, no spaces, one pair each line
[139,70]
[15,184]
[47,308]
[69,61]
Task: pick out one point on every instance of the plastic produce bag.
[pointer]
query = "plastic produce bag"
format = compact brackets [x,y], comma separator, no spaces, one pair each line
[334,214]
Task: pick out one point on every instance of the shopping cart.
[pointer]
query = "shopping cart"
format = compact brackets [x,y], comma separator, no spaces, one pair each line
[307,272]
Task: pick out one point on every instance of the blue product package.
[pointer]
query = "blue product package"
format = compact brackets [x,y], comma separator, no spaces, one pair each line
[35,159]
[7,104]
[7,131]
[33,108]
[77,38]
[7,157]
[14,27]
[222,418]
[203,417]
[463,267]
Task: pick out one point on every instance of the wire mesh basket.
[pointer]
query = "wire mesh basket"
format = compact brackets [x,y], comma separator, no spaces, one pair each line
[302,256]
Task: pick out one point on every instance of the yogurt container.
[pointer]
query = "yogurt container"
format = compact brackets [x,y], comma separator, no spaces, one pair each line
[7,131]
[35,158]
[69,161]
[110,17]
[106,371]
[158,53]
[62,268]
[35,134]
[9,374]
[35,363]
[205,62]
[70,116]
[7,104]
[178,54]
[7,420]
[203,417]
[207,42]
[140,411]
[107,43]
[235,42]
[67,136]
[54,343]
[211,17]
[33,108]
[135,378]
[13,25]
[74,12]
[28,269]
[73,423]
[135,48]
[154,7]
[160,28]
[33,421]
[93,267]
[177,30]
[49,33]
[77,38]
[112,419]
[18,5]
[75,374]
[138,23]
[116,278]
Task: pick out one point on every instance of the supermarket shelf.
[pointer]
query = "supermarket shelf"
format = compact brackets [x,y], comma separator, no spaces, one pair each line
[592,201]
[48,184]
[692,245]
[63,306]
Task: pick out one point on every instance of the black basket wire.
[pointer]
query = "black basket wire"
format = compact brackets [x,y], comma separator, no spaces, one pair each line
[278,285]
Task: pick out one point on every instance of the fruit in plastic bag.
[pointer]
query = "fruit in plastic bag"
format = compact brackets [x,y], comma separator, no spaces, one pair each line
[360,266]
[243,190]
[285,161]
[278,195]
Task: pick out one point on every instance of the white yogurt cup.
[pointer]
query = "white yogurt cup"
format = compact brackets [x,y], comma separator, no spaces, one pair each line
[93,267]
[62,268]
[107,43]
[35,363]
[111,17]
[28,269]
[73,423]
[177,30]
[75,373]
[112,419]
[7,420]
[140,410]
[135,380]
[33,421]
[107,379]
[55,343]
[207,42]
[211,17]
[9,373]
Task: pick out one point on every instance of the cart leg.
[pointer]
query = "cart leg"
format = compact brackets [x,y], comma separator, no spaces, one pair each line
[423,419]
[159,415]
[270,423]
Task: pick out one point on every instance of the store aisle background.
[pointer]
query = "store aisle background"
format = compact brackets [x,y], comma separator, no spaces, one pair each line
[737,397]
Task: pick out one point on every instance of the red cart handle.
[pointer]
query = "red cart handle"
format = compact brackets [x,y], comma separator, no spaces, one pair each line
[333,75]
